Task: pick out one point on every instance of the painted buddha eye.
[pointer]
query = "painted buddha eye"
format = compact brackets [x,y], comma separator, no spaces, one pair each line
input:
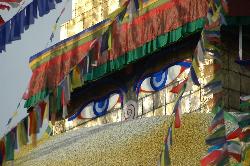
[159,80]
[99,107]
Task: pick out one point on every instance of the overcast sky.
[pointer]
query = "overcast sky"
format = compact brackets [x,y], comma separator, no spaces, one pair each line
[14,70]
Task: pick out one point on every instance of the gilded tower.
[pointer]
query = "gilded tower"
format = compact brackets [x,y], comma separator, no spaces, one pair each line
[87,13]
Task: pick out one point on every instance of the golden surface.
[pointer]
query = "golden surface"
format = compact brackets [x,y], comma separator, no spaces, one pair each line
[86,13]
[131,143]
[189,141]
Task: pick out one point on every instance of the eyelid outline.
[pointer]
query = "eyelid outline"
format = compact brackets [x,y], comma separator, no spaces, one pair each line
[186,64]
[77,114]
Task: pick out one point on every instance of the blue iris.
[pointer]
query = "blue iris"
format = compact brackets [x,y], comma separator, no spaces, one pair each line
[158,80]
[101,107]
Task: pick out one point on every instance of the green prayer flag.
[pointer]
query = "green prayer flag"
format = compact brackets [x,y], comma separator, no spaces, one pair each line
[59,99]
[165,158]
[230,117]
[52,103]
[216,108]
[244,123]
[245,106]
[9,147]
[49,130]
[218,133]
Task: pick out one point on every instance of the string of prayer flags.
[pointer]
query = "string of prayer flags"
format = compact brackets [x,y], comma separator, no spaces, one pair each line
[212,42]
[217,139]
[11,30]
[106,38]
[56,24]
[19,135]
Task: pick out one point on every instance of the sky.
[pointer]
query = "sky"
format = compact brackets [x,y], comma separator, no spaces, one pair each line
[14,70]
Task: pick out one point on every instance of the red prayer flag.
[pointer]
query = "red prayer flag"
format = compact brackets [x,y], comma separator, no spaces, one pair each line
[244,134]
[177,123]
[1,21]
[211,157]
[33,123]
[178,88]
[18,1]
[234,134]
[235,156]
[3,7]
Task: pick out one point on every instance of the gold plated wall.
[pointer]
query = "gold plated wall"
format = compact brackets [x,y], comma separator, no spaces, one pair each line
[87,13]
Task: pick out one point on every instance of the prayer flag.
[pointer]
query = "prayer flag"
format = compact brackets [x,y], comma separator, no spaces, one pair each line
[217,120]
[1,21]
[178,88]
[212,157]
[234,134]
[3,7]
